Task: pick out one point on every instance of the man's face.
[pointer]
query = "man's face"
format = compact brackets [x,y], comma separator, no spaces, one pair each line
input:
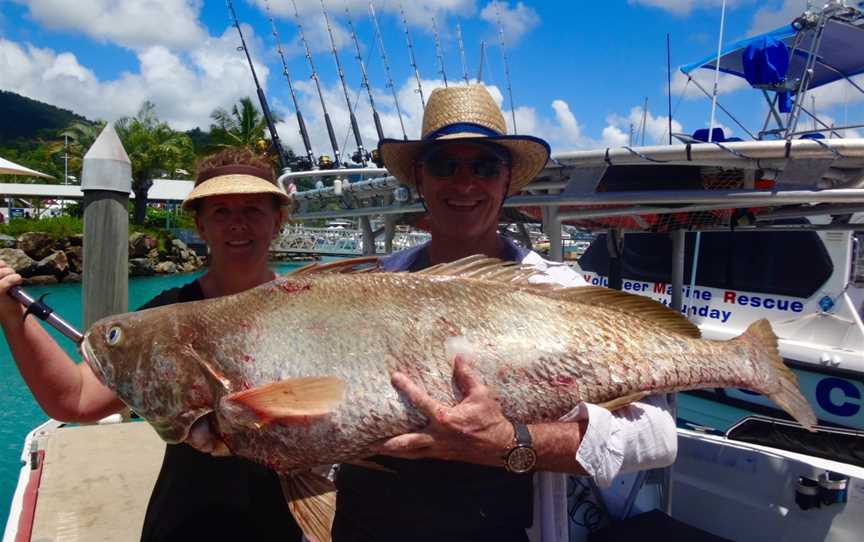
[463,186]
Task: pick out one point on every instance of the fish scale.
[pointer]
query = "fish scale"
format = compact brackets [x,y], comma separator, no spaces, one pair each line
[296,372]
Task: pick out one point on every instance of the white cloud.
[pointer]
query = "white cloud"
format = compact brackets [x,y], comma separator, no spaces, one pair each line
[684,7]
[516,21]
[186,87]
[129,23]
[656,128]
[771,17]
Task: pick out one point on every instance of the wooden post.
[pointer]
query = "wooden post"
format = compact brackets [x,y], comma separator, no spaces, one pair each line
[106,182]
[368,236]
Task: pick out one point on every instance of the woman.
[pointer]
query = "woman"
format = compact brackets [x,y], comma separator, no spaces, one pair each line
[238,212]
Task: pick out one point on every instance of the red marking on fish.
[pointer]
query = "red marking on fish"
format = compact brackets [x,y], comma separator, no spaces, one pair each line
[248,359]
[293,287]
[564,381]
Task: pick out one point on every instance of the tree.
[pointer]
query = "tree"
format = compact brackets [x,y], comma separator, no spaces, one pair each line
[154,149]
[243,126]
[80,136]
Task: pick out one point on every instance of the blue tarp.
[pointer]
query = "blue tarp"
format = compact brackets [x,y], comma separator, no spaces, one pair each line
[839,54]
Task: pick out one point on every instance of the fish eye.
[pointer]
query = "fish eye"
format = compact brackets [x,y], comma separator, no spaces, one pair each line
[114,335]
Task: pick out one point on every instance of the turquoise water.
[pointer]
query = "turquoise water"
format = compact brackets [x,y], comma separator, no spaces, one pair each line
[19,413]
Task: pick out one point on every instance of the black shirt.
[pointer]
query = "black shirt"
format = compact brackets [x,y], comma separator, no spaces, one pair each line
[201,497]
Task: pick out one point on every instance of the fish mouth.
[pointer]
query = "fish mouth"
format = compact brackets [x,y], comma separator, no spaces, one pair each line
[89,356]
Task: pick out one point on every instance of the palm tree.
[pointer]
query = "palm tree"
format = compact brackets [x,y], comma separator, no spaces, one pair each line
[243,126]
[80,137]
[154,148]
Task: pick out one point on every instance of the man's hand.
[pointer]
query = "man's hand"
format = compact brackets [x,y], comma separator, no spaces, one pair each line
[202,438]
[473,431]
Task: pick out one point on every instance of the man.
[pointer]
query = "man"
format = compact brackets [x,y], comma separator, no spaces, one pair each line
[468,474]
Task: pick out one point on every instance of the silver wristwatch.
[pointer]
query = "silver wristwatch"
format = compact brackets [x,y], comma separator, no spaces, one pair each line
[521,457]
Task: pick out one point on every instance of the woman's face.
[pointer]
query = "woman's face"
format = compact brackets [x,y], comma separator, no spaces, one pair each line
[238,228]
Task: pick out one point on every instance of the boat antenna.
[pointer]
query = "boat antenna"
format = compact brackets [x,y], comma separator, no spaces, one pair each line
[322,162]
[411,56]
[363,74]
[644,122]
[439,52]
[462,53]
[717,72]
[275,142]
[506,68]
[360,155]
[310,156]
[669,83]
[482,58]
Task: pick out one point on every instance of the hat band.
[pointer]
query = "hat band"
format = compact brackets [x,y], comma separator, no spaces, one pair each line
[461,128]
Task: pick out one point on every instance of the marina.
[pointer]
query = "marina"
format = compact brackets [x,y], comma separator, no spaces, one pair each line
[723,230]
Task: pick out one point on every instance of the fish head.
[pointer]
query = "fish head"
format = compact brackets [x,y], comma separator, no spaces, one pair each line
[148,360]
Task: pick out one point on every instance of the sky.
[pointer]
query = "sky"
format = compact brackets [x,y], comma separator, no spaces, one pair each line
[580,71]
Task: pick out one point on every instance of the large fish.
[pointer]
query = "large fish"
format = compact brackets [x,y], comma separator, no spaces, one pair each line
[297,371]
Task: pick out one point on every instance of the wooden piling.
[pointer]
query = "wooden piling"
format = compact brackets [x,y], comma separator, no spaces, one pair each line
[106,182]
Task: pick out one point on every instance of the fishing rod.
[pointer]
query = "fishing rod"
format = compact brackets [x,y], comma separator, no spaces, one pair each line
[462,53]
[265,109]
[375,116]
[360,155]
[310,156]
[439,52]
[506,68]
[411,56]
[482,58]
[39,309]
[322,162]
[383,52]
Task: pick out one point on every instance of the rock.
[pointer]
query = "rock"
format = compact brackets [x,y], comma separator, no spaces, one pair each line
[166,267]
[36,244]
[7,241]
[73,255]
[188,267]
[154,254]
[18,260]
[178,244]
[40,280]
[141,267]
[54,264]
[140,245]
[76,240]
[72,277]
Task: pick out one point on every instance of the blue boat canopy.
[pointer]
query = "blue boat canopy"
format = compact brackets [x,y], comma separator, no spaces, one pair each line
[839,56]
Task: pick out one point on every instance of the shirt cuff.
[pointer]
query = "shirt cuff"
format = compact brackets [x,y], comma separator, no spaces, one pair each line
[599,452]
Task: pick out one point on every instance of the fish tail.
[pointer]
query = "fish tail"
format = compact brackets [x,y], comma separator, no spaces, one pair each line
[784,390]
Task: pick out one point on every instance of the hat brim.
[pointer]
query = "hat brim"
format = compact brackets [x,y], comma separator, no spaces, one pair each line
[234,184]
[529,155]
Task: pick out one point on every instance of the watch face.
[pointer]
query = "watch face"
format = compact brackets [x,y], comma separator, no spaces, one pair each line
[521,459]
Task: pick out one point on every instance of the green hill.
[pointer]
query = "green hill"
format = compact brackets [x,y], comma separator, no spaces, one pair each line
[24,118]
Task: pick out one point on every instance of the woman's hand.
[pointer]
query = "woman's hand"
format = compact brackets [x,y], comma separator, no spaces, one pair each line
[9,307]
[474,430]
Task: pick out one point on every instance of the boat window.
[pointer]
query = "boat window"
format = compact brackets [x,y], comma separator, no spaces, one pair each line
[791,263]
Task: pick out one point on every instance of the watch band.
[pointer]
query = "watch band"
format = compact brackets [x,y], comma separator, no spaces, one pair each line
[522,435]
[521,457]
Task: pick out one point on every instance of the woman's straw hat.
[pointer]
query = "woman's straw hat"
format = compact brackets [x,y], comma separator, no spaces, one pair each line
[466,113]
[234,179]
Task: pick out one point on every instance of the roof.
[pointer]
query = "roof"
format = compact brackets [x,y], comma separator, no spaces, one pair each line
[162,190]
[11,168]
[839,54]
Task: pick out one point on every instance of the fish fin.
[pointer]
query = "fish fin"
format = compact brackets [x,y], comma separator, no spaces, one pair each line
[621,402]
[292,399]
[635,305]
[787,394]
[311,499]
[482,267]
[370,464]
[350,266]
[214,376]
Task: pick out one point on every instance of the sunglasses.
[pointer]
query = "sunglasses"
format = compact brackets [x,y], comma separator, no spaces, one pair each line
[484,168]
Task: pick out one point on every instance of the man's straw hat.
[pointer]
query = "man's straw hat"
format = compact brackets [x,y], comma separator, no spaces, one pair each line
[234,179]
[466,113]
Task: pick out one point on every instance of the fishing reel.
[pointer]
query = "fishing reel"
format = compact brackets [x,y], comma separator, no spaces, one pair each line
[360,156]
[300,164]
[375,156]
[325,162]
